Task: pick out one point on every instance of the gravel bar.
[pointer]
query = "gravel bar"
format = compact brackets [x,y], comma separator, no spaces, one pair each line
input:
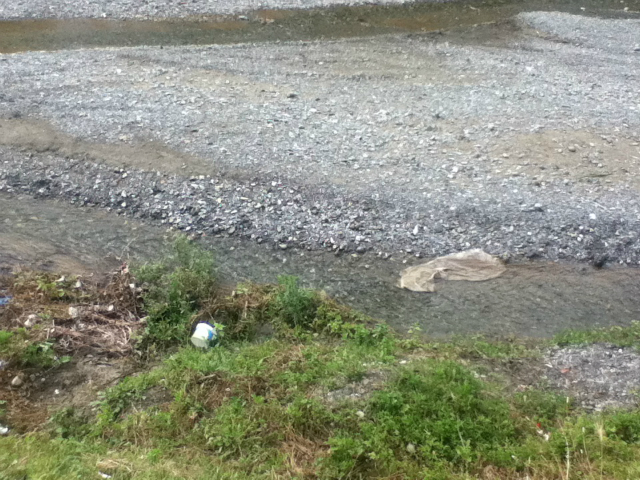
[523,142]
[147,9]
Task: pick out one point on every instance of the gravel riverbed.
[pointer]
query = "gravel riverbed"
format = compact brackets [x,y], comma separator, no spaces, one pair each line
[147,9]
[521,138]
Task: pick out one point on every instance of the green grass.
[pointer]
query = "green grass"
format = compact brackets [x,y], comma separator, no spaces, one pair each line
[258,408]
[620,336]
[176,288]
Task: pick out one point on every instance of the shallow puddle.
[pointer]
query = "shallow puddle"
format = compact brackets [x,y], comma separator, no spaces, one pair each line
[535,299]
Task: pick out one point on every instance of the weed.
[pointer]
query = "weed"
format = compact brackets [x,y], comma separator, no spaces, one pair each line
[620,336]
[175,289]
[294,306]
[5,338]
[16,347]
[544,408]
[117,399]
[69,423]
[624,425]
[439,413]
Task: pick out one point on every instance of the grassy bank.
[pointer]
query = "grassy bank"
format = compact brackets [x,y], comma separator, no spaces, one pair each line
[299,387]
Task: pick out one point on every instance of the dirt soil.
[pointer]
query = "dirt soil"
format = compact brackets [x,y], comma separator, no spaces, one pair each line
[75,384]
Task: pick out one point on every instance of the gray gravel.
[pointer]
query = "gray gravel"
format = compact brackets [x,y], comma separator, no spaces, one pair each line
[393,144]
[598,376]
[145,9]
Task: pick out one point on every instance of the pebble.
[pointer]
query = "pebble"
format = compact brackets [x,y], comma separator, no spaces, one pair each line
[31,320]
[17,381]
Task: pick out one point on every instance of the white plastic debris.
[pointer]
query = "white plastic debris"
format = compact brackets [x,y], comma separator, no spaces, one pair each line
[31,320]
[471,265]
[204,336]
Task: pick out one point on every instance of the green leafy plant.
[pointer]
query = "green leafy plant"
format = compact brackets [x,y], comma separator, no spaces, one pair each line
[296,307]
[175,288]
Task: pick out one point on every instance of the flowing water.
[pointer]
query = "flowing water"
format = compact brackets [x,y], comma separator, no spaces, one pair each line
[534,299]
[279,25]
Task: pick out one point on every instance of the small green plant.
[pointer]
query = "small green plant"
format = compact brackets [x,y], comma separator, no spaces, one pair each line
[624,425]
[542,407]
[296,307]
[69,423]
[621,336]
[114,401]
[52,289]
[175,289]
[5,339]
[18,349]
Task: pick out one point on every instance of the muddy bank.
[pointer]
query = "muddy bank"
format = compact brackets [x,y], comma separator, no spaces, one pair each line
[536,299]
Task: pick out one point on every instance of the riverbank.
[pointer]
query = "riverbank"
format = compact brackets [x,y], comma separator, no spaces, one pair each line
[103,380]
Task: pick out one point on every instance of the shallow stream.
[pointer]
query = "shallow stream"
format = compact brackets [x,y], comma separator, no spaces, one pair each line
[535,299]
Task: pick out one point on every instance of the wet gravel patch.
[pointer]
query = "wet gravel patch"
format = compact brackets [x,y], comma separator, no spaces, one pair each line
[598,376]
[285,215]
[384,145]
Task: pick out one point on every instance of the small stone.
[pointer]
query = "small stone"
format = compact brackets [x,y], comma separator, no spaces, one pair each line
[592,216]
[74,312]
[17,381]
[4,430]
[283,246]
[599,261]
[571,148]
[411,448]
[31,320]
